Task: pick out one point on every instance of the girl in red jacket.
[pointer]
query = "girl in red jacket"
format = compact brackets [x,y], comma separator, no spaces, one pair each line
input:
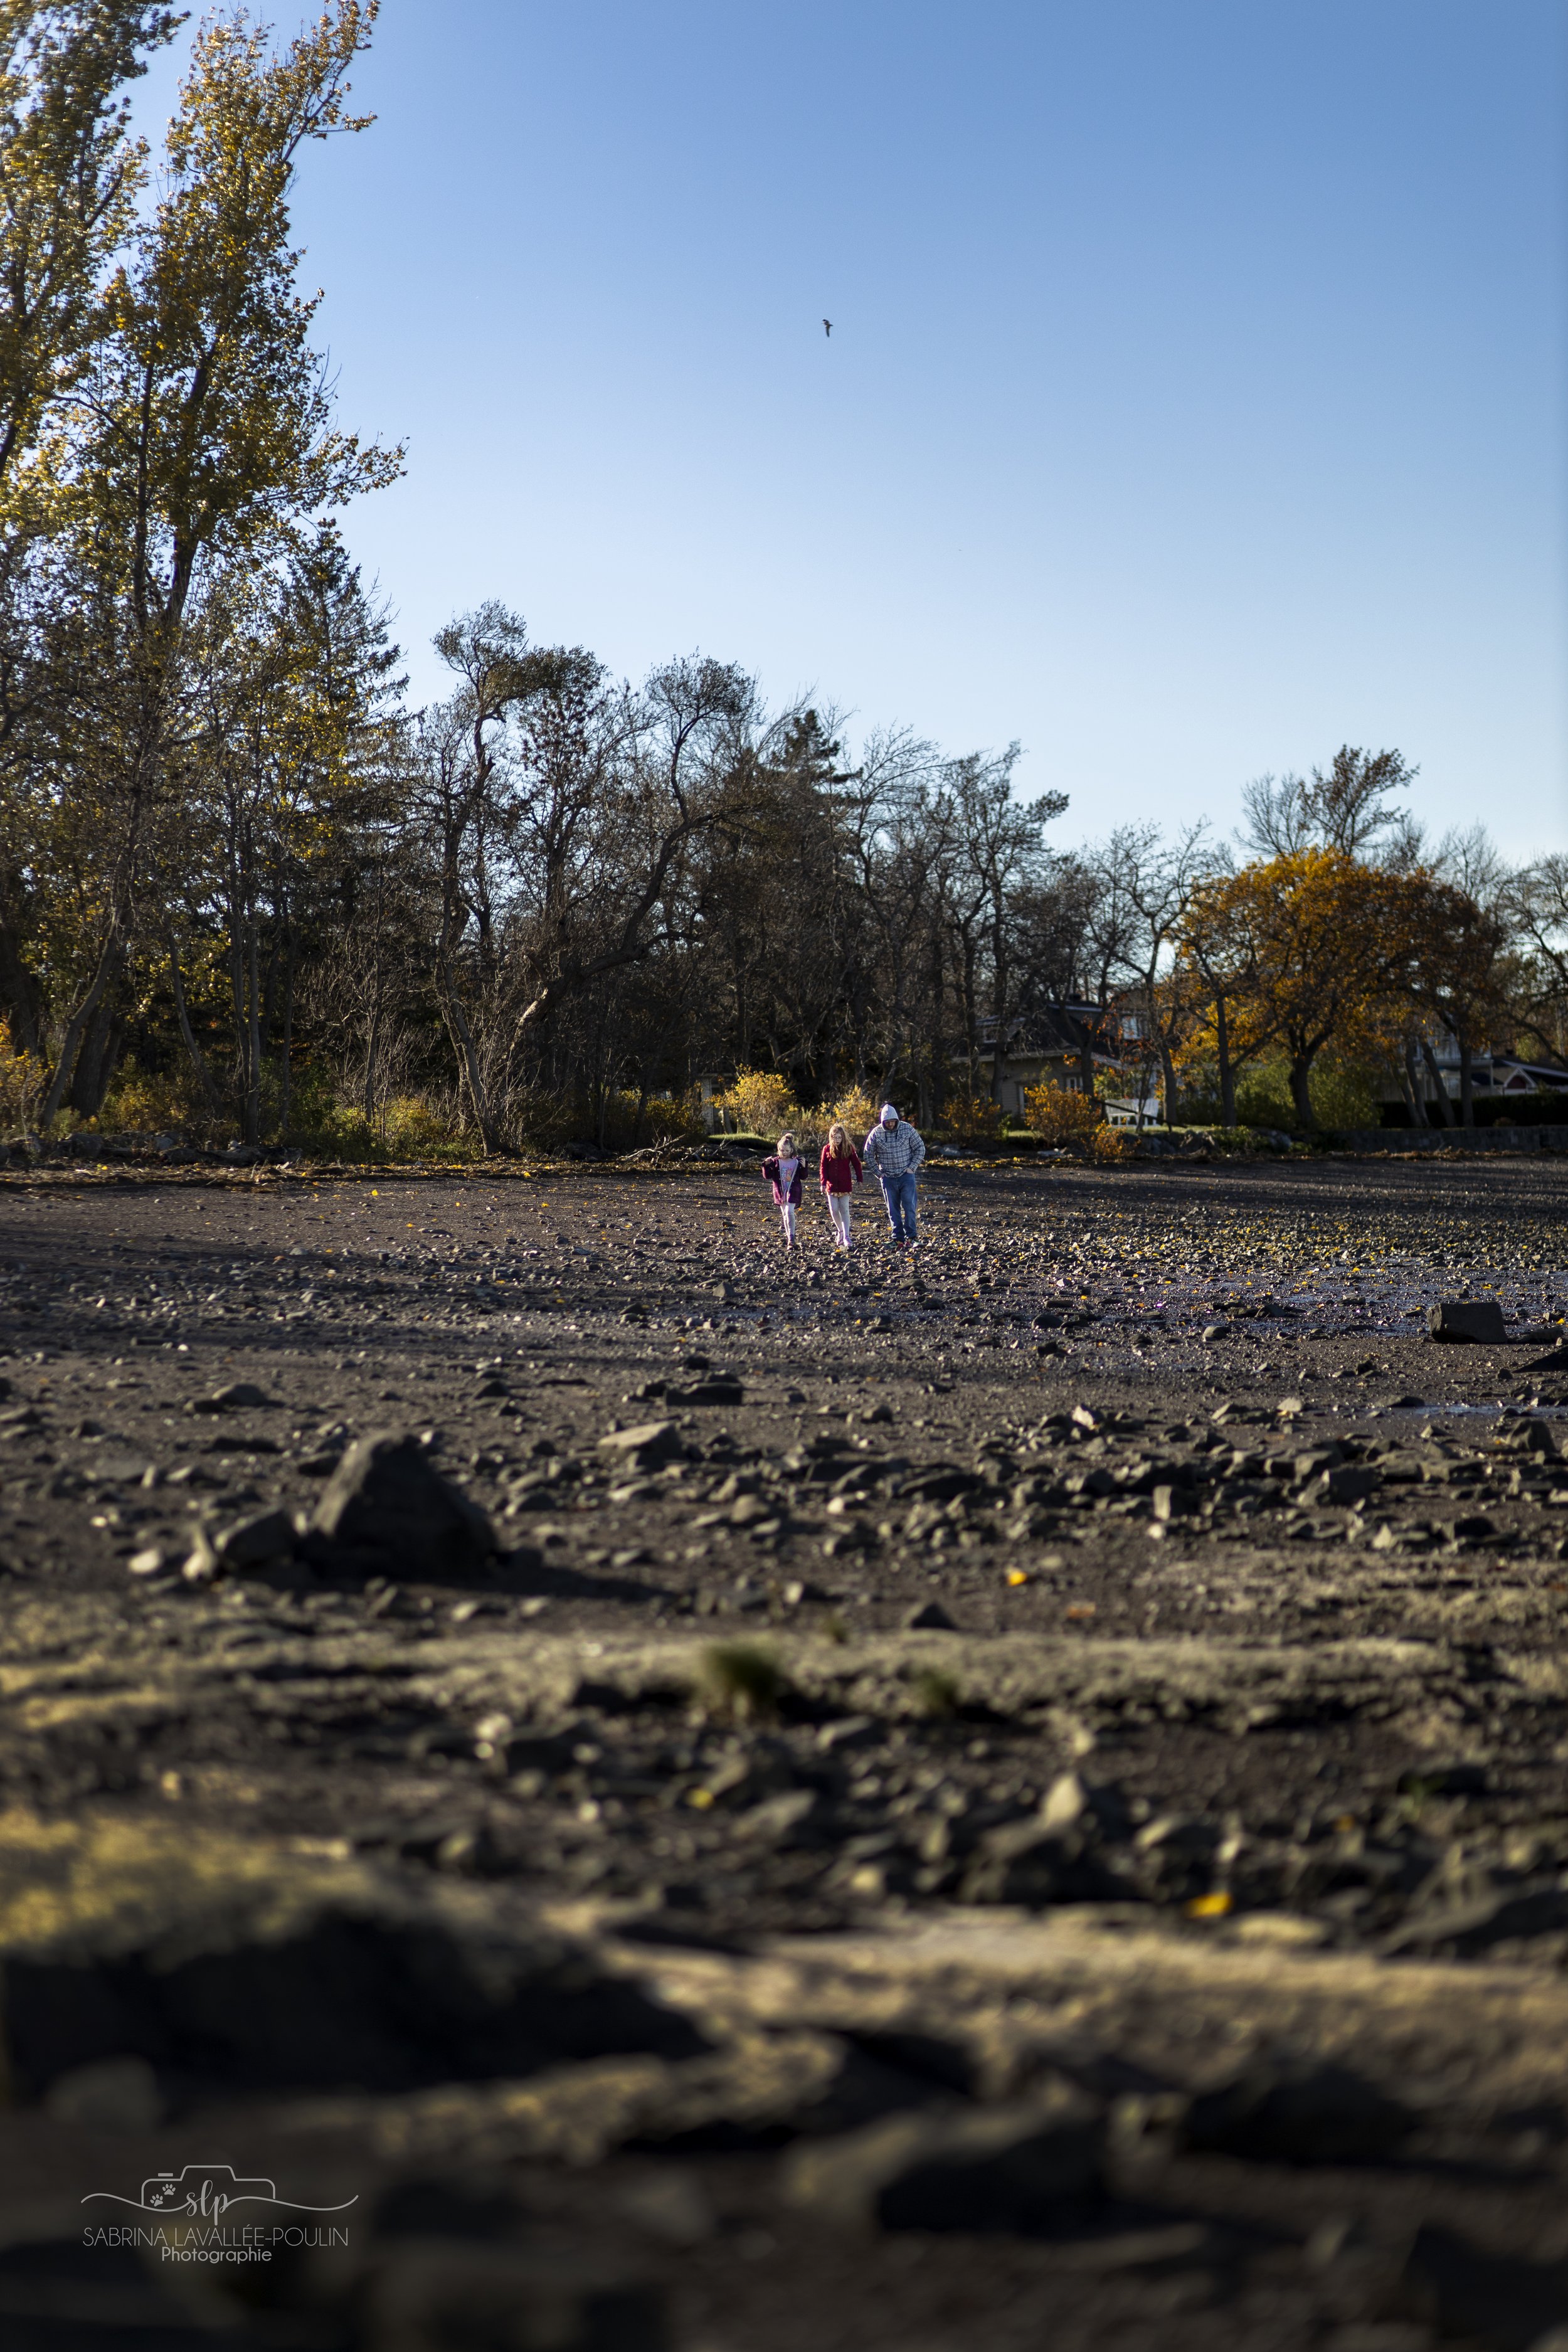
[785,1166]
[839,1171]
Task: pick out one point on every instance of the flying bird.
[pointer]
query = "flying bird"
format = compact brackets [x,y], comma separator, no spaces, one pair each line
[827,326]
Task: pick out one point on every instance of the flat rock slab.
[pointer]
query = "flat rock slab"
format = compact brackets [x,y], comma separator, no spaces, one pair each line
[246,1965]
[1476,1320]
[1489,2035]
[1238,1683]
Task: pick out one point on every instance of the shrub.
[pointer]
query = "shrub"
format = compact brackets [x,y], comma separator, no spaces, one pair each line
[1110,1144]
[674,1115]
[974,1118]
[1341,1091]
[760,1103]
[342,1131]
[856,1109]
[414,1129]
[1341,1095]
[542,1119]
[936,1695]
[620,1128]
[1058,1116]
[152,1102]
[741,1683]
[21,1085]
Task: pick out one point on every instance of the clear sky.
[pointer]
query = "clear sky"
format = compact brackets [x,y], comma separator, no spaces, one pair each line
[1193,404]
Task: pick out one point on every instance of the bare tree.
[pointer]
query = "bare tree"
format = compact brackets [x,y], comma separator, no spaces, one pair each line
[1351,806]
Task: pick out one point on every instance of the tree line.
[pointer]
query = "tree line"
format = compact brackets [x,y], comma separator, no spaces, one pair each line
[245,884]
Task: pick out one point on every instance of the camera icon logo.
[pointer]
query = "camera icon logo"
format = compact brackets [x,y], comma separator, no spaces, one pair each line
[208,2189]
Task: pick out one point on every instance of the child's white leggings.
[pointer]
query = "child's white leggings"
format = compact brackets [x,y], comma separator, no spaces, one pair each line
[838,1209]
[786,1211]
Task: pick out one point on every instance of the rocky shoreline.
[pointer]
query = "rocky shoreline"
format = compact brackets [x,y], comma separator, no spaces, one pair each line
[718,1802]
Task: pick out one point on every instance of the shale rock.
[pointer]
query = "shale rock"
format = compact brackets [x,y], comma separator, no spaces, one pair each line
[1478,1320]
[1297,2115]
[386,1507]
[230,1966]
[997,2171]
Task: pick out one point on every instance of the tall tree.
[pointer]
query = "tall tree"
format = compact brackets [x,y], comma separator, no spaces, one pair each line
[1351,807]
[202,428]
[1313,935]
[69,177]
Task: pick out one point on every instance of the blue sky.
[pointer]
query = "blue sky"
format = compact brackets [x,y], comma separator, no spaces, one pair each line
[1195,401]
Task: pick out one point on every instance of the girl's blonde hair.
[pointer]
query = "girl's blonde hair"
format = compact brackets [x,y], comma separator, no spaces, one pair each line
[839,1139]
[786,1141]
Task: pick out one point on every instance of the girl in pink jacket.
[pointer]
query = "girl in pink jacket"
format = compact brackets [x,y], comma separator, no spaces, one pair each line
[785,1166]
[839,1172]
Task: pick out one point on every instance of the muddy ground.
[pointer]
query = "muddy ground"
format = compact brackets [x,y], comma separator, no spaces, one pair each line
[1005,1797]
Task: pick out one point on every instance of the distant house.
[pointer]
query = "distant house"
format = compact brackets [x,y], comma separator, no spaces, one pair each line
[1068,1045]
[1492,1076]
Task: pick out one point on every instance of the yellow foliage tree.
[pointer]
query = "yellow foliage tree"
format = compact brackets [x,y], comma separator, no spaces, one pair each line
[971,1117]
[21,1085]
[1058,1116]
[760,1103]
[856,1109]
[1297,952]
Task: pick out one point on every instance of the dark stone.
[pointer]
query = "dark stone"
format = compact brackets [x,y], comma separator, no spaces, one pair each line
[1497,2300]
[1478,1320]
[1001,2170]
[1297,2115]
[931,2058]
[256,1541]
[643,1447]
[942,1485]
[239,1397]
[429,2296]
[1350,1482]
[1536,1909]
[387,1506]
[342,1997]
[479,2206]
[787,1820]
[1445,1780]
[710,1393]
[930,1617]
[1037,1862]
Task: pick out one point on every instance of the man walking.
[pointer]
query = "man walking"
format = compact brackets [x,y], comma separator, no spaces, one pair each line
[893,1152]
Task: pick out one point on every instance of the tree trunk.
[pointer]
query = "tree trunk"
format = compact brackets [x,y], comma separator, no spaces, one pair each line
[253,1088]
[95,1062]
[18,993]
[373,1041]
[1411,1080]
[241,1028]
[1467,1083]
[1226,1073]
[469,1060]
[1444,1104]
[1167,1083]
[198,1059]
[286,1069]
[1301,1090]
[108,963]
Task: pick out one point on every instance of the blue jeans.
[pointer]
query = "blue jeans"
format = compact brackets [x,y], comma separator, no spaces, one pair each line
[899,1191]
